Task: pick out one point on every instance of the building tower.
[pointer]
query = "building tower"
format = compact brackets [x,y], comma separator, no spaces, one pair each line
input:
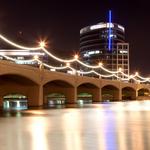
[105,42]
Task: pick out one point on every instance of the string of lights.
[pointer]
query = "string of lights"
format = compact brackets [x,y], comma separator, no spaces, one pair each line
[77,71]
[17,45]
[96,73]
[75,59]
[100,65]
[51,67]
[56,58]
[141,77]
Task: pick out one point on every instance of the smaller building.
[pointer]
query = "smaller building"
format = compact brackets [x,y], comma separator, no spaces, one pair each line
[20,54]
[122,60]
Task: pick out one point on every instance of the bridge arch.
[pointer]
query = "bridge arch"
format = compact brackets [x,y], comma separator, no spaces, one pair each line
[14,83]
[60,87]
[143,94]
[51,76]
[88,89]
[110,92]
[113,83]
[29,72]
[128,93]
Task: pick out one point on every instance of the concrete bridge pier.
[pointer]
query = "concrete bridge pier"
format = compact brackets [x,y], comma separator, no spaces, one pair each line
[120,95]
[136,94]
[35,96]
[97,97]
[72,95]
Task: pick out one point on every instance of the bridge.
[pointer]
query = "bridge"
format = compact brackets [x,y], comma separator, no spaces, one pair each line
[38,83]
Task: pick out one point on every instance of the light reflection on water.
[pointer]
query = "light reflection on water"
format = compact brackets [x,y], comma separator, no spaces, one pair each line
[109,126]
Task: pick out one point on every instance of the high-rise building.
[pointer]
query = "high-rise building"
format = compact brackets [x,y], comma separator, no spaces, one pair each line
[105,42]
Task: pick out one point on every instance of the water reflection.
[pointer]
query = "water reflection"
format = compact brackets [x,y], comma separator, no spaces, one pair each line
[108,126]
[38,128]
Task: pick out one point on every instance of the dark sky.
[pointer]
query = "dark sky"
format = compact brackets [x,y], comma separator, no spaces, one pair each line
[26,21]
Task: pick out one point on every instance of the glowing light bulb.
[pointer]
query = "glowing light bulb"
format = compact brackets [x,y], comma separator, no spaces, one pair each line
[76,56]
[36,57]
[136,73]
[131,76]
[68,64]
[120,69]
[100,64]
[42,44]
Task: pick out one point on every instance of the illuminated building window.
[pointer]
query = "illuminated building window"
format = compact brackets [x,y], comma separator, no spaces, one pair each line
[20,58]
[123,52]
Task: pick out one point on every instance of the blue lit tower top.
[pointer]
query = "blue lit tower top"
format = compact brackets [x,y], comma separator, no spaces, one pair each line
[101,38]
[100,42]
[109,33]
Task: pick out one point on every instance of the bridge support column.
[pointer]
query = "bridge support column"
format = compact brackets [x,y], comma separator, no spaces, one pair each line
[72,96]
[120,94]
[97,95]
[36,96]
[136,94]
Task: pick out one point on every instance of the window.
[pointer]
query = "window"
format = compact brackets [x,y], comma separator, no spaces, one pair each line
[20,58]
[125,62]
[119,46]
[125,57]
[114,61]
[119,62]
[119,57]
[125,46]
[125,67]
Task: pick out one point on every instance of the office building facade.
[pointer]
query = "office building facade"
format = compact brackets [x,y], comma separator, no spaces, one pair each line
[105,42]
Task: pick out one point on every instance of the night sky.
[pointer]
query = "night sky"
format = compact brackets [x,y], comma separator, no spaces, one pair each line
[59,22]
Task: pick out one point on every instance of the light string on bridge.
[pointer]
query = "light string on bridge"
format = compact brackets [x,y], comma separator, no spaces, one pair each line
[75,59]
[19,46]
[74,70]
[60,68]
[51,67]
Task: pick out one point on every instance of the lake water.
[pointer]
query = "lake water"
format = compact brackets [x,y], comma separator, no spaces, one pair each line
[107,126]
